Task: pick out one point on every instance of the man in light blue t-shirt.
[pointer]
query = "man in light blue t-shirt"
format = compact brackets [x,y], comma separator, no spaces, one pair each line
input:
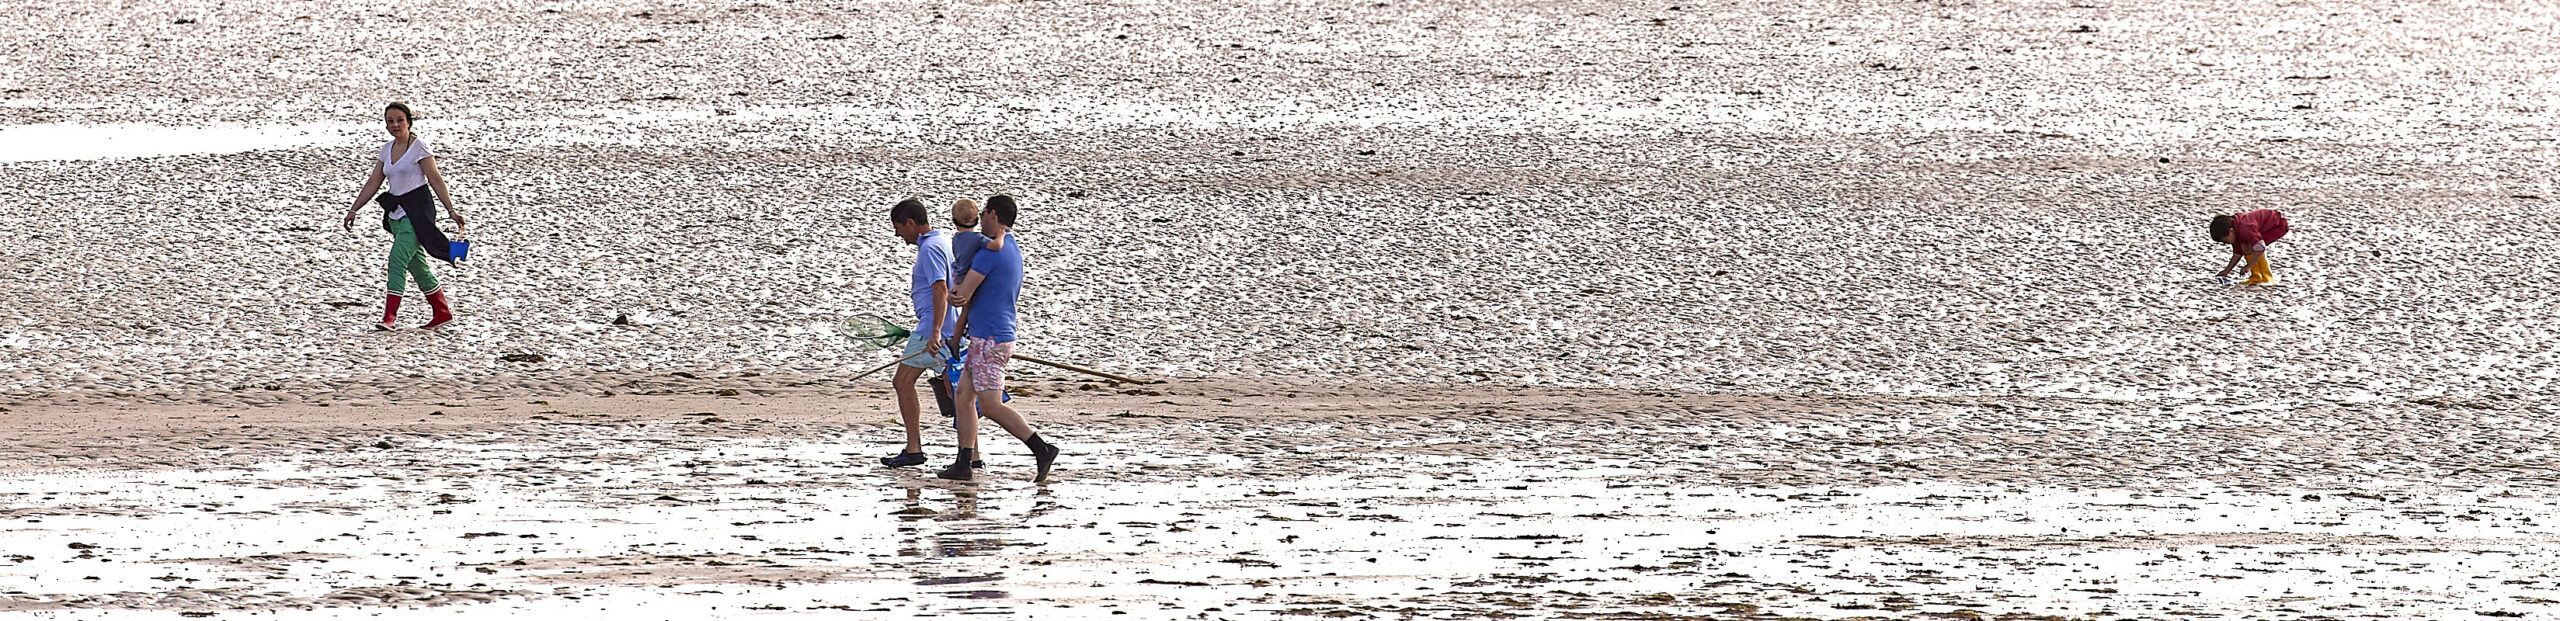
[929,289]
[990,291]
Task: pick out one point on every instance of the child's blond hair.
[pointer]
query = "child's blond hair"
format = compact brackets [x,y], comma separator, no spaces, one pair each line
[964,210]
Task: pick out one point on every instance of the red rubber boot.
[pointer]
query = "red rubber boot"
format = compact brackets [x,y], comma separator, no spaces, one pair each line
[390,310]
[444,312]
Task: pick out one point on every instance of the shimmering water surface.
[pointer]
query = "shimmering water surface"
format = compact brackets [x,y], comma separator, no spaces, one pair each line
[743,527]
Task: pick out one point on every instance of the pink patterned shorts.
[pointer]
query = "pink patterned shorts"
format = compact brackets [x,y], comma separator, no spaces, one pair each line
[986,362]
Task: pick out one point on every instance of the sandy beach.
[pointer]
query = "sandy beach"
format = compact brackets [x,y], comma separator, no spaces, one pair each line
[1552,310]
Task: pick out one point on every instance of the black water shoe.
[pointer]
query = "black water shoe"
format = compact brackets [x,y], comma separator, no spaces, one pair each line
[1046,454]
[962,469]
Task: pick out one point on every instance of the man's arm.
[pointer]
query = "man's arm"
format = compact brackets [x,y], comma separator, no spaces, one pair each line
[941,306]
[968,287]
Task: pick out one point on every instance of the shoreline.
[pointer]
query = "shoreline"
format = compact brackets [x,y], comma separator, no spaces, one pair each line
[1894,438]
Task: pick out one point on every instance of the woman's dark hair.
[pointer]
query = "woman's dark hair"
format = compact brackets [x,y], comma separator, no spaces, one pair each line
[405,113]
[906,211]
[2221,226]
[1001,205]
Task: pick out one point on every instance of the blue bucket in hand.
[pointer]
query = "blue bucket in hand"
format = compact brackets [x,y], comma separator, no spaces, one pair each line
[460,248]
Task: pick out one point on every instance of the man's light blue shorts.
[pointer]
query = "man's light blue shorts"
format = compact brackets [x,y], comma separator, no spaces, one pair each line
[915,358]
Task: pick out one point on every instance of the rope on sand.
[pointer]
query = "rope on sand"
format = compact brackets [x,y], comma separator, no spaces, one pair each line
[1070,367]
[877,332]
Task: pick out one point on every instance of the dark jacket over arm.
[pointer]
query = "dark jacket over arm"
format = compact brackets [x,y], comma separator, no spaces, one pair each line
[421,207]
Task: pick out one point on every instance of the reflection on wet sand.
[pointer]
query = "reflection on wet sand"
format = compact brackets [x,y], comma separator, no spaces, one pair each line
[953,531]
[630,517]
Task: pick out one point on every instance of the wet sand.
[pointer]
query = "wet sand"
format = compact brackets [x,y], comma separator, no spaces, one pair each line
[1554,309]
[1913,199]
[1241,499]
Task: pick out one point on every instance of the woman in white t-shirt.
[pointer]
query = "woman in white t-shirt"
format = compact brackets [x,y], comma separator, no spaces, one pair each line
[409,214]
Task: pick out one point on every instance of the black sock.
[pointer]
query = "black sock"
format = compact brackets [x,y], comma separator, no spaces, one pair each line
[968,455]
[1037,445]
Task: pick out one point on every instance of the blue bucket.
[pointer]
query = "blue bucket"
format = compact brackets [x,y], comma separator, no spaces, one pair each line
[460,249]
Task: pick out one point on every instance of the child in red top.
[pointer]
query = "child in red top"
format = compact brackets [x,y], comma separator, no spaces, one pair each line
[2248,234]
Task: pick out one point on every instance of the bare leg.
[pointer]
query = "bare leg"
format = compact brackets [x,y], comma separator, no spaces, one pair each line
[909,412]
[992,402]
[965,401]
[964,466]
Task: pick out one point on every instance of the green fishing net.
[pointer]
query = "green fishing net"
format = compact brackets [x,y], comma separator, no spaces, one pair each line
[874,331]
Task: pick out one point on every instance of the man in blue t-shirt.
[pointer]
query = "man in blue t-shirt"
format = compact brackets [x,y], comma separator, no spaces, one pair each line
[990,291]
[929,289]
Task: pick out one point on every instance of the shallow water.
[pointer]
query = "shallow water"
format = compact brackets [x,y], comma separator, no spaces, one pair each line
[74,141]
[586,521]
